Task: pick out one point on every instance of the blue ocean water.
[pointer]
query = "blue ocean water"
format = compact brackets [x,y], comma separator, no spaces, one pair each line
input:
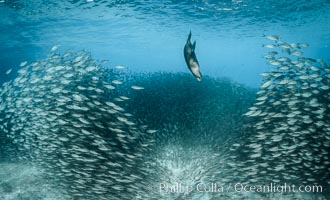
[142,132]
[149,35]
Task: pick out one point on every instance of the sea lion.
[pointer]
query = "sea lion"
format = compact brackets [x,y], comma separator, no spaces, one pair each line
[191,59]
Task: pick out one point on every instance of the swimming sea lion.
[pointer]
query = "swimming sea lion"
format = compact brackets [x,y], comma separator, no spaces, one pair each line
[190,57]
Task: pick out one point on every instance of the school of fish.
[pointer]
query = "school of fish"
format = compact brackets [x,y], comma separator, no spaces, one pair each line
[68,116]
[64,116]
[289,124]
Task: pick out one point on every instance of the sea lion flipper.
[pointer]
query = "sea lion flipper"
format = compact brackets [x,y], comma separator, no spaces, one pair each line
[189,36]
[193,46]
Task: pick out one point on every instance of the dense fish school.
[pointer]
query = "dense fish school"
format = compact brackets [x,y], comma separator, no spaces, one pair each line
[61,112]
[289,124]
[99,135]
